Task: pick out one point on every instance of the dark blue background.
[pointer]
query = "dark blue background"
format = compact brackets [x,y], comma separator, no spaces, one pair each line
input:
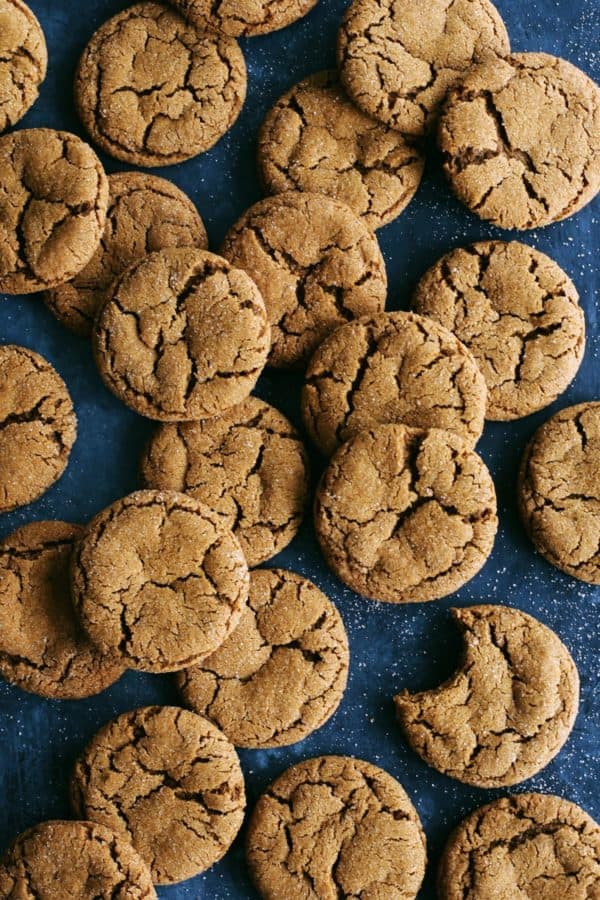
[392,647]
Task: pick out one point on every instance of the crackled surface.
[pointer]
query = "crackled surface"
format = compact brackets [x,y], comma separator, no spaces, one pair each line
[248,465]
[182,336]
[521,140]
[509,708]
[559,491]
[405,515]
[243,18]
[53,201]
[393,367]
[23,60]
[314,139]
[152,90]
[169,782]
[531,846]
[334,827]
[519,315]
[158,581]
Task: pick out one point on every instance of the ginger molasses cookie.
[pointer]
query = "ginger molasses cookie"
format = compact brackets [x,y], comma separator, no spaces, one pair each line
[158,581]
[509,708]
[38,426]
[406,515]
[145,213]
[392,367]
[153,91]
[314,139]
[182,336]
[316,265]
[519,315]
[23,61]
[169,782]
[248,465]
[53,201]
[243,18]
[281,673]
[559,491]
[521,140]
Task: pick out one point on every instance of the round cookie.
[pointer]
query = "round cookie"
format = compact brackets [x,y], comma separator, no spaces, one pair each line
[405,515]
[151,90]
[38,426]
[145,213]
[559,491]
[248,465]
[393,367]
[521,140]
[340,825]
[182,336]
[243,18]
[53,201]
[314,139]
[529,845]
[506,712]
[517,312]
[169,782]
[23,61]
[282,672]
[158,581]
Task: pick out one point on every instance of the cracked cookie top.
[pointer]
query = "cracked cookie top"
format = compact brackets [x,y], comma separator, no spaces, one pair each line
[167,781]
[405,515]
[314,139]
[336,826]
[506,712]
[182,336]
[243,18]
[521,140]
[519,315]
[153,91]
[398,58]
[158,581]
[23,61]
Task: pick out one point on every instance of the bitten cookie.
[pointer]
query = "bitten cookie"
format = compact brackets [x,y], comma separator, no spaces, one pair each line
[23,61]
[314,262]
[243,18]
[506,712]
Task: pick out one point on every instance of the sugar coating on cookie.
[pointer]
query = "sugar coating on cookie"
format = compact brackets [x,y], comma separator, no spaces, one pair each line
[243,18]
[23,61]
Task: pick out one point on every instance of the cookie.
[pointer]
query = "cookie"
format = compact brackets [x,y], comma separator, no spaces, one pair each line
[405,515]
[316,265]
[530,845]
[151,90]
[314,139]
[282,673]
[336,826]
[398,58]
[517,312]
[145,213]
[182,336]
[55,860]
[158,581]
[53,202]
[559,491]
[393,367]
[169,782]
[243,18]
[506,712]
[38,426]
[248,466]
[521,140]
[23,61]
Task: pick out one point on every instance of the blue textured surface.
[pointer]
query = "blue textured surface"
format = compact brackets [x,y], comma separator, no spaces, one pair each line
[391,647]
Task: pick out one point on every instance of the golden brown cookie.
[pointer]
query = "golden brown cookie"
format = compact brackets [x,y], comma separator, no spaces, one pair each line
[393,367]
[53,201]
[23,61]
[153,91]
[243,18]
[406,515]
[314,139]
[145,213]
[509,708]
[182,336]
[38,426]
[519,315]
[521,140]
[248,465]
[168,781]
[158,581]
